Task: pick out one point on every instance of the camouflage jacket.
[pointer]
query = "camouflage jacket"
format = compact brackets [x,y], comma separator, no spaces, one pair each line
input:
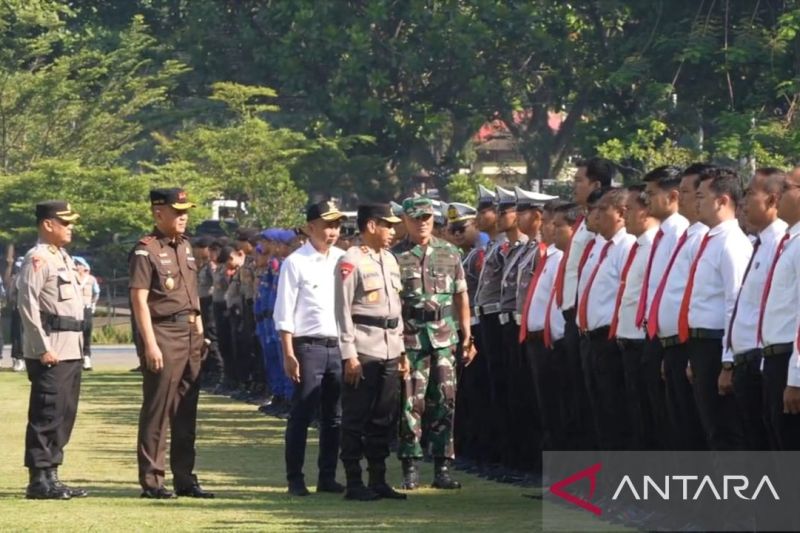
[430,275]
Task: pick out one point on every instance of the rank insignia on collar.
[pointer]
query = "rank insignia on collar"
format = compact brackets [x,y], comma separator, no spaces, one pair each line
[52,249]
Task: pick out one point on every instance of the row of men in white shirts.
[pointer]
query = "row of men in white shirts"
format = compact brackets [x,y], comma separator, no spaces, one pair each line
[659,322]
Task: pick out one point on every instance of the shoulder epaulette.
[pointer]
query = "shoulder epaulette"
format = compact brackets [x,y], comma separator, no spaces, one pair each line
[147,239]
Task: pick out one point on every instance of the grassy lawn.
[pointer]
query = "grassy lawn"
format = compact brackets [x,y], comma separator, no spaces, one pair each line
[240,458]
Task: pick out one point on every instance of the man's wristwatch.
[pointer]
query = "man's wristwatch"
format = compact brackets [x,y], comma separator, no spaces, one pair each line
[727,365]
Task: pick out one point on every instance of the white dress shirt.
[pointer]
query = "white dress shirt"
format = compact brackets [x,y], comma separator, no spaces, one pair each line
[580,239]
[305,302]
[629,305]
[676,281]
[779,325]
[603,292]
[719,274]
[541,296]
[673,227]
[744,333]
[588,266]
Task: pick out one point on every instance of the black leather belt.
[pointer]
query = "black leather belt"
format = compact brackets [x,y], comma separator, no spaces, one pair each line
[266,315]
[60,323]
[599,333]
[706,334]
[624,344]
[185,318]
[328,342]
[535,335]
[376,321]
[777,349]
[428,315]
[749,356]
[669,342]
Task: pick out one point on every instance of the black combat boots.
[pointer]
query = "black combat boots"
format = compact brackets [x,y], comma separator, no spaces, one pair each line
[378,485]
[355,485]
[39,488]
[410,474]
[51,474]
[441,475]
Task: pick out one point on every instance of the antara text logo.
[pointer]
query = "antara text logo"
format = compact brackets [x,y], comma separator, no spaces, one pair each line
[669,488]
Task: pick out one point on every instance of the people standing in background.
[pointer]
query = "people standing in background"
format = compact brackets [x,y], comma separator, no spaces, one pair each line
[90,293]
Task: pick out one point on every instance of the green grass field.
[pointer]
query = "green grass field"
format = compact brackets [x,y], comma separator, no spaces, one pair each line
[240,457]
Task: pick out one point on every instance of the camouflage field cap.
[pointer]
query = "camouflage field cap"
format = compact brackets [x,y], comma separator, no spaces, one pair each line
[419,207]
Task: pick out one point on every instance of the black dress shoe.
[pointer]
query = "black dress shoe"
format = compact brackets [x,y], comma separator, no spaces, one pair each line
[158,494]
[361,493]
[385,491]
[298,488]
[330,486]
[195,491]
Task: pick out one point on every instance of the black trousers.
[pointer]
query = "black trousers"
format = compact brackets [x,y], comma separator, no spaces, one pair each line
[608,384]
[491,333]
[52,407]
[549,378]
[369,412]
[88,324]
[16,334]
[748,392]
[226,347]
[473,408]
[686,431]
[522,451]
[783,430]
[320,387]
[213,361]
[718,414]
[656,415]
[580,426]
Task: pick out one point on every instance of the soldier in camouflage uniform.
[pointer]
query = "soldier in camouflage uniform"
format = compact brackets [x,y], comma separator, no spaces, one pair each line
[434,297]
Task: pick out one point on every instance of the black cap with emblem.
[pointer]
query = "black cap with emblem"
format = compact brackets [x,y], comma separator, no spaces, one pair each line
[55,209]
[175,198]
[327,210]
[376,212]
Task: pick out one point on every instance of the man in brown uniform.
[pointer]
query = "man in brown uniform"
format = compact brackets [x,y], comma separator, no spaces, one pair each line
[51,311]
[169,338]
[369,317]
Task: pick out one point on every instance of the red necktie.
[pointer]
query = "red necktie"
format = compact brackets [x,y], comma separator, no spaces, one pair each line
[652,319]
[583,320]
[547,336]
[562,268]
[623,281]
[643,294]
[523,328]
[736,305]
[683,314]
[768,286]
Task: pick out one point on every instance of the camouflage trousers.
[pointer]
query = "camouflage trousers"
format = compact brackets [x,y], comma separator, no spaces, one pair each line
[429,396]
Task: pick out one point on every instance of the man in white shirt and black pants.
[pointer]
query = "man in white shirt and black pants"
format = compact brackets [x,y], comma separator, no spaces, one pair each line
[761,213]
[713,285]
[306,320]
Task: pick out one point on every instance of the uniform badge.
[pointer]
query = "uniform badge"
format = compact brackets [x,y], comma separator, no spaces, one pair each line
[52,249]
[36,263]
[372,297]
[347,269]
[169,283]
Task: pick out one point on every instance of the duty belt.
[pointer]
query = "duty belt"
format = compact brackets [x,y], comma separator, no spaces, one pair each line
[599,333]
[328,342]
[428,315]
[60,323]
[376,321]
[184,317]
[507,318]
[778,349]
[746,357]
[488,309]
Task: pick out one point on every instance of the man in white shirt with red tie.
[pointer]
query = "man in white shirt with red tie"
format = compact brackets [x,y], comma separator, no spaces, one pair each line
[545,364]
[597,294]
[707,306]
[592,174]
[629,337]
[778,326]
[662,188]
[686,432]
[760,210]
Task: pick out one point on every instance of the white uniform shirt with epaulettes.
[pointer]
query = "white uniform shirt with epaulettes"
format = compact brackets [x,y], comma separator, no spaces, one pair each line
[48,283]
[368,283]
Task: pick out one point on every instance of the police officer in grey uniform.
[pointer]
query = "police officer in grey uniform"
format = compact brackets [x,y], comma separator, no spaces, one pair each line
[508,363]
[51,310]
[369,317]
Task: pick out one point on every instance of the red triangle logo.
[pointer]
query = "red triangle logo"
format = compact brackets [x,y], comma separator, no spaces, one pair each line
[591,472]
